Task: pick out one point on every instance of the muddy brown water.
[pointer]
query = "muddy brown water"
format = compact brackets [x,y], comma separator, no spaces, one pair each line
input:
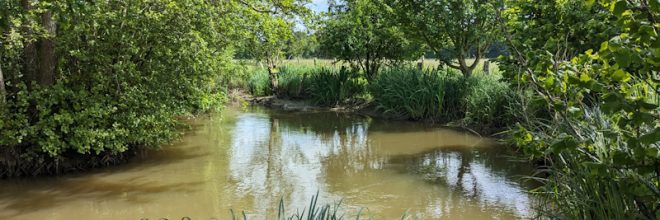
[250,159]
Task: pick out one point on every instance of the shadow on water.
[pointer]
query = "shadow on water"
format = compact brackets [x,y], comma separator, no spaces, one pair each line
[51,194]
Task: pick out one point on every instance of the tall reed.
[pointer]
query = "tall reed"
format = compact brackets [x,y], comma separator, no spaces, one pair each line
[331,87]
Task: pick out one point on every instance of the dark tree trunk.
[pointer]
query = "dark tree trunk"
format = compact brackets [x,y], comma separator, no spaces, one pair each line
[3,91]
[272,74]
[47,59]
[486,67]
[29,51]
[465,69]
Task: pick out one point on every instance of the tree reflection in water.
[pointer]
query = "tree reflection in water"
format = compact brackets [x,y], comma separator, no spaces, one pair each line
[387,167]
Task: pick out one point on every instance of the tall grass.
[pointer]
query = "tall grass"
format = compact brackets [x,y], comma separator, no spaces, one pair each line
[410,93]
[485,100]
[405,92]
[330,87]
[314,211]
[591,181]
[442,95]
[258,83]
[294,81]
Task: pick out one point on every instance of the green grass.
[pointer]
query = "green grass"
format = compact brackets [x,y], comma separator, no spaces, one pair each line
[258,83]
[411,93]
[485,101]
[294,81]
[592,182]
[443,95]
[314,211]
[331,87]
[433,94]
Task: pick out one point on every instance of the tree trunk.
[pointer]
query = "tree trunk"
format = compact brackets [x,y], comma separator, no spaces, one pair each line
[47,59]
[486,67]
[272,74]
[3,91]
[420,64]
[465,69]
[29,51]
[467,72]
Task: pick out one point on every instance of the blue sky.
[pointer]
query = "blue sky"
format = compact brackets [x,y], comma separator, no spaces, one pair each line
[319,5]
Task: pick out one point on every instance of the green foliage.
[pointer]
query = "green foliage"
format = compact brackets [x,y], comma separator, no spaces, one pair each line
[259,84]
[451,28]
[330,87]
[411,93]
[124,72]
[601,140]
[486,100]
[362,34]
[560,30]
[302,45]
[295,81]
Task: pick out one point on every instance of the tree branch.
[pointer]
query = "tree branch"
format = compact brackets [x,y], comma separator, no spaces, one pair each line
[254,8]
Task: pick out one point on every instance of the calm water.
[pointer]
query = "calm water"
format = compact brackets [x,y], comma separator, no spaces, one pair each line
[248,160]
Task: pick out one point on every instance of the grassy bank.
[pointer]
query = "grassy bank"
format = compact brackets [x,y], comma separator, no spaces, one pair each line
[481,101]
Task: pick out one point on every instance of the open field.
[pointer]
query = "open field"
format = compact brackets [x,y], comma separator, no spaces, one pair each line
[428,63]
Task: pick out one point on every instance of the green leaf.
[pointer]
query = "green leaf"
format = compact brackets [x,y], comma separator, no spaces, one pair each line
[623,57]
[621,76]
[640,118]
[619,7]
[655,5]
[584,77]
[567,142]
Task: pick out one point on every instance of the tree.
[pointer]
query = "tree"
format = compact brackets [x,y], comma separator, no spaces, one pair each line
[124,70]
[39,53]
[362,34]
[271,29]
[302,44]
[3,91]
[451,28]
[564,29]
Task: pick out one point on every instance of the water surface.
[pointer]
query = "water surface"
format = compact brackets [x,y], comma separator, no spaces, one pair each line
[250,159]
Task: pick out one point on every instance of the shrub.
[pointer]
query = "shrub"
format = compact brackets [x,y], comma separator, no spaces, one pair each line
[111,91]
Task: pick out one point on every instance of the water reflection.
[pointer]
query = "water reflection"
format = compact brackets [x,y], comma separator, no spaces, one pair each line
[250,160]
[386,166]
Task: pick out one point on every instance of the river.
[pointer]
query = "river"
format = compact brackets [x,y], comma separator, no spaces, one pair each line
[251,159]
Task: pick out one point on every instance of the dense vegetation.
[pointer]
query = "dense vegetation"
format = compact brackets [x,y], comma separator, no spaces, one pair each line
[575,86]
[577,90]
[86,82]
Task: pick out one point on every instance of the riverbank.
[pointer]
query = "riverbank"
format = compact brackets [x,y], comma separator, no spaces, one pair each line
[365,108]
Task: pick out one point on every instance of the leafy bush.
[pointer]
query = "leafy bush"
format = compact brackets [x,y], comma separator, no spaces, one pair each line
[601,139]
[113,90]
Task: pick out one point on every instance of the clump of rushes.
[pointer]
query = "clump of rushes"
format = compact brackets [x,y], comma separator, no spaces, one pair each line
[485,101]
[410,93]
[313,212]
[294,81]
[259,84]
[330,87]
